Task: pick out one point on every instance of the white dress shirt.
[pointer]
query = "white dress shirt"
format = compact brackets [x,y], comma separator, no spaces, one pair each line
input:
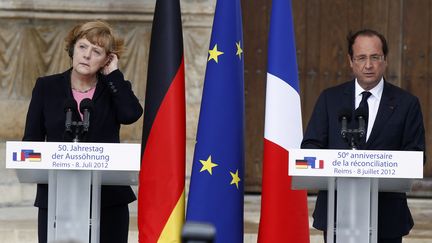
[373,102]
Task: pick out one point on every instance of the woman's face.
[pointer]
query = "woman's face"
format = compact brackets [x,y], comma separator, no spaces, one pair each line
[88,58]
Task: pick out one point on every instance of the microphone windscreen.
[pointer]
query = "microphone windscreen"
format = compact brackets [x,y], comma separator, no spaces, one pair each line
[361,111]
[69,104]
[344,112]
[86,104]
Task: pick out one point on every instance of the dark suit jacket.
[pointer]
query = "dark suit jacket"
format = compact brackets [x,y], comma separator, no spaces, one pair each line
[398,126]
[114,104]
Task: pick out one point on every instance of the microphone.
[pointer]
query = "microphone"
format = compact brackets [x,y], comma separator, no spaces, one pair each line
[344,117]
[69,106]
[361,115]
[86,107]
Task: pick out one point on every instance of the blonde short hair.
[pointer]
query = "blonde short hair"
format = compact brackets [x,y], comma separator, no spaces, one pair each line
[98,33]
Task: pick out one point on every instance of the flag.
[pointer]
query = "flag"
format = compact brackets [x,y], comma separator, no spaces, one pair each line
[284,215]
[216,186]
[162,175]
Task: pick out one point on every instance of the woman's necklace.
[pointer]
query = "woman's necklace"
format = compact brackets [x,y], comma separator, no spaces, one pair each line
[84,91]
[93,85]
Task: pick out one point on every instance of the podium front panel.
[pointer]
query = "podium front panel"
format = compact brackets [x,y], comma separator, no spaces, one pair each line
[355,163]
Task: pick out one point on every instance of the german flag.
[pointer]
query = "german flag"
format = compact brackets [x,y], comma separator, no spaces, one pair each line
[34,157]
[301,164]
[162,175]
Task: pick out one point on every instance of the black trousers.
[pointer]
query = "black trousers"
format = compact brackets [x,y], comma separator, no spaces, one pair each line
[395,240]
[114,224]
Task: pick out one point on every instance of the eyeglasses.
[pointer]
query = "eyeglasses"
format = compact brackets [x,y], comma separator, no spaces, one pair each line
[373,59]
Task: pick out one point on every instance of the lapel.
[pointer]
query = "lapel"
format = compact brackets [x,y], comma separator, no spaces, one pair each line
[385,110]
[348,101]
[67,84]
[100,87]
[67,90]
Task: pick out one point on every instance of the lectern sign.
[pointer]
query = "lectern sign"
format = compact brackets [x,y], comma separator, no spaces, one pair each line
[73,156]
[355,163]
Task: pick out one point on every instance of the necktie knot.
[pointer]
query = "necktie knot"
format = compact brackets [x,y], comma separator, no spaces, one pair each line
[365,96]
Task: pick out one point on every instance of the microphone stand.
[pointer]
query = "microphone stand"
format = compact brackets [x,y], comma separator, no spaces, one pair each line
[73,194]
[354,136]
[351,191]
[78,129]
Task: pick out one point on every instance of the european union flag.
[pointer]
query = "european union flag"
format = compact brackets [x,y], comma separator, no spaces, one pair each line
[216,186]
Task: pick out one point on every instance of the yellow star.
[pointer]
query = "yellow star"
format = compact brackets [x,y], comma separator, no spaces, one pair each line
[207,165]
[235,178]
[239,50]
[214,53]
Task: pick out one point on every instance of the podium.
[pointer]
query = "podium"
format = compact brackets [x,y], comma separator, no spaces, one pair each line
[74,173]
[357,176]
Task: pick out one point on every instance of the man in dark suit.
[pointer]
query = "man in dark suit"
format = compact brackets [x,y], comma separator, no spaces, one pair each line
[394,122]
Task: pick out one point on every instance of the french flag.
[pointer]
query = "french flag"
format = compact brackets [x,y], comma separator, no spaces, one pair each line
[284,215]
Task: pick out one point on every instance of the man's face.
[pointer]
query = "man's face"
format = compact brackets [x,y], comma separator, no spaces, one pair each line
[368,62]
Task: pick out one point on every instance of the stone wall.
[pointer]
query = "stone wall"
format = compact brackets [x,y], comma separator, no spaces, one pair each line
[32,44]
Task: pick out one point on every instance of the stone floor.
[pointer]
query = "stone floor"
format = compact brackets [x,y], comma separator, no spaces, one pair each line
[420,208]
[18,224]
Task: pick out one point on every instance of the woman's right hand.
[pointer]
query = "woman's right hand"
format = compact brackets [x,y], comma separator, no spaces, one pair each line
[111,65]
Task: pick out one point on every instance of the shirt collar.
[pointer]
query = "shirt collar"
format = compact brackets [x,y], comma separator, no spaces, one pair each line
[375,91]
